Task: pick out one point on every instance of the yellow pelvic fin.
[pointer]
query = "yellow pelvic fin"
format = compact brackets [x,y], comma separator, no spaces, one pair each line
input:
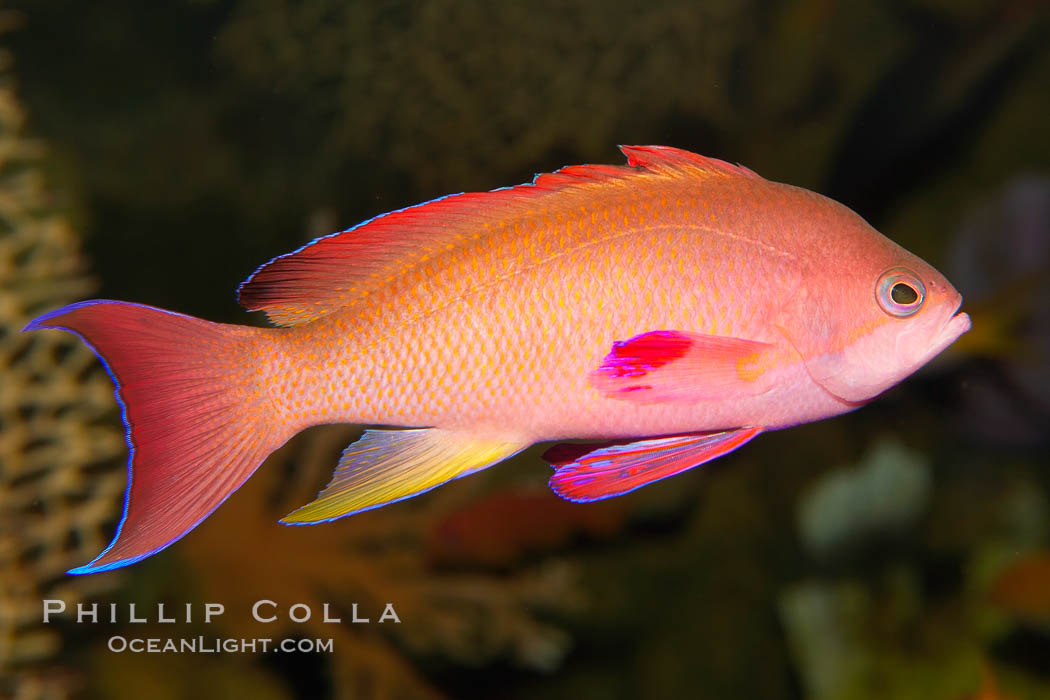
[385,466]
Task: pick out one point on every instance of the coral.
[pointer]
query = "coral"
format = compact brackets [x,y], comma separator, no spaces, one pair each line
[896,625]
[60,480]
[885,493]
[854,641]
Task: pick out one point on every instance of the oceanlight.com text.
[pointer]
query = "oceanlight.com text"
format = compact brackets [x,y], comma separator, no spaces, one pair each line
[212,645]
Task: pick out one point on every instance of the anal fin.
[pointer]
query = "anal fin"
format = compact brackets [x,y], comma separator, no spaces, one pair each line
[619,468]
[386,466]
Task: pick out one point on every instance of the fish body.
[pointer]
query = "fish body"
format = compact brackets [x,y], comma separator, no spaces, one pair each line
[504,334]
[673,308]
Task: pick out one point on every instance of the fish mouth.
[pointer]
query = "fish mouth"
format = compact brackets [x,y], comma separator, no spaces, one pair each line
[958,323]
[956,326]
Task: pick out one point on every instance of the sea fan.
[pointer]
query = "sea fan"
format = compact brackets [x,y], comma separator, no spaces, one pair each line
[60,475]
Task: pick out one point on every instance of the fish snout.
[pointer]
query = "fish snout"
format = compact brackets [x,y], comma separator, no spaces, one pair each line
[956,323]
[956,326]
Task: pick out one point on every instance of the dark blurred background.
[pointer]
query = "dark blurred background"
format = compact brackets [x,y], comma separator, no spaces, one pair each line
[900,551]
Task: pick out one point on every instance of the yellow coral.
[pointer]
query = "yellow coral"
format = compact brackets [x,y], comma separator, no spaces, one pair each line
[60,479]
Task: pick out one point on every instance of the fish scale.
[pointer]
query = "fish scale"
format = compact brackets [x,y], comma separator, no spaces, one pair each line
[592,273]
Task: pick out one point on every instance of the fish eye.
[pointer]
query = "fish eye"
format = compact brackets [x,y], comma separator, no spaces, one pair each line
[900,292]
[903,293]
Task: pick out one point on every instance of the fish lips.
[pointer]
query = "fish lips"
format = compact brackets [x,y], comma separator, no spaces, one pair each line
[954,326]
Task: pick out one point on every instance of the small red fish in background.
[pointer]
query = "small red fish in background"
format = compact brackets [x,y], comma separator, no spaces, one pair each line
[678,306]
[1023,589]
[500,529]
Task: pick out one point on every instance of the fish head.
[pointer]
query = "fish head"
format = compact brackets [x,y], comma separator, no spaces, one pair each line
[871,320]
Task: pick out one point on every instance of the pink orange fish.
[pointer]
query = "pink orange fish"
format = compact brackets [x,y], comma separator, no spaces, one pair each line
[674,307]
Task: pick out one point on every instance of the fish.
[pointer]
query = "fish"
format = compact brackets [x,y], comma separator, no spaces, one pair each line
[671,309]
[505,526]
[1022,588]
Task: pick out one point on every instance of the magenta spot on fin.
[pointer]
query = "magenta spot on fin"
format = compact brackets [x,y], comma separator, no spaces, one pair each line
[644,353]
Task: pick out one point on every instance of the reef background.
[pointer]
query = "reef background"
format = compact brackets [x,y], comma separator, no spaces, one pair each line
[159,152]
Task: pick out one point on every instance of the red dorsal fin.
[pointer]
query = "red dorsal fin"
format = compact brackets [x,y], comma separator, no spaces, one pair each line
[666,158]
[337,270]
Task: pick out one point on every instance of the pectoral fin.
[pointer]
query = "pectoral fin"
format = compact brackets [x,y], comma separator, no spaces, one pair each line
[385,466]
[677,366]
[616,469]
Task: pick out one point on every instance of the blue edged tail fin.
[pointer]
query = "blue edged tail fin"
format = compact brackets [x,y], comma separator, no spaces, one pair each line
[197,427]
